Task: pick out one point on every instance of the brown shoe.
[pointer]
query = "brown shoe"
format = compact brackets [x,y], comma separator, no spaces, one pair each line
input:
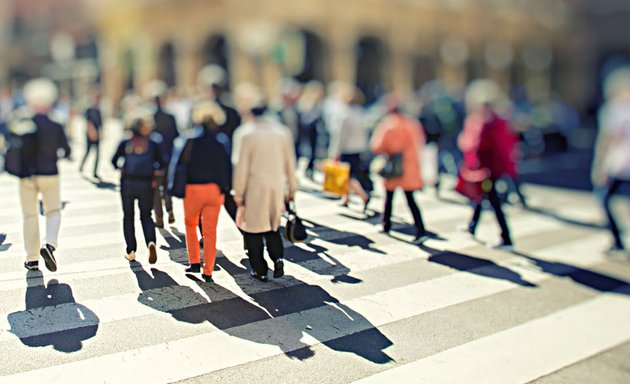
[159,223]
[171,218]
[152,253]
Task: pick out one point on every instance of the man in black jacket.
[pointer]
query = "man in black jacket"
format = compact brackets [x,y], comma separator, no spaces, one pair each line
[42,139]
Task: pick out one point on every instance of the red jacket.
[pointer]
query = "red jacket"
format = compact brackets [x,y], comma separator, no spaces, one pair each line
[489,145]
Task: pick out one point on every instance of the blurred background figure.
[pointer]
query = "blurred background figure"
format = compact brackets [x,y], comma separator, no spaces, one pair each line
[39,140]
[166,128]
[310,123]
[213,82]
[396,135]
[488,146]
[611,165]
[286,106]
[94,129]
[350,144]
[139,158]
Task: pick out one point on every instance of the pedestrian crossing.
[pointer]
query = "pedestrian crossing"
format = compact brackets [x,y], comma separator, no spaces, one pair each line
[356,305]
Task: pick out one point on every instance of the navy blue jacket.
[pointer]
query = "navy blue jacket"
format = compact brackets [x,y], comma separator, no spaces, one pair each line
[45,145]
[208,160]
[139,166]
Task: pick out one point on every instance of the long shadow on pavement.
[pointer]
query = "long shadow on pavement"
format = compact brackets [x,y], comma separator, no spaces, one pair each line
[475,265]
[52,316]
[245,318]
[591,279]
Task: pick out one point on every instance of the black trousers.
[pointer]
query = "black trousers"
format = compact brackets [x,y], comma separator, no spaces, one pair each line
[413,207]
[161,194]
[613,187]
[91,145]
[142,191]
[310,136]
[495,202]
[255,243]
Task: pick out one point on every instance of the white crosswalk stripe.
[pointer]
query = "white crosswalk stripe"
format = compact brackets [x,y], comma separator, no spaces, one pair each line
[344,304]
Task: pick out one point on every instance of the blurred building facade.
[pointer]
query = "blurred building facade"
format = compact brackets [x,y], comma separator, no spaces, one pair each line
[550,47]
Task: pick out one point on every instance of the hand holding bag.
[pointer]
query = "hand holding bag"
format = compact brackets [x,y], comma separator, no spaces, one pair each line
[294,230]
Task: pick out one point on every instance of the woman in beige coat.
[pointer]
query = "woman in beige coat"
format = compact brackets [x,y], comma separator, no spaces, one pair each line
[264,180]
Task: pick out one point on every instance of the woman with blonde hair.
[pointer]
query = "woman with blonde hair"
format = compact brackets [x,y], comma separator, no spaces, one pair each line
[207,172]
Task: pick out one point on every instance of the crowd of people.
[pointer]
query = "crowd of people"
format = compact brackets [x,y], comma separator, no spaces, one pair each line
[240,152]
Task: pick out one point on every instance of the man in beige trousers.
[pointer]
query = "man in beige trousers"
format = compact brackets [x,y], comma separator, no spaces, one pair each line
[41,139]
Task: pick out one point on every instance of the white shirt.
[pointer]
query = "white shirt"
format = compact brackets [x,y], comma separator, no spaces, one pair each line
[614,120]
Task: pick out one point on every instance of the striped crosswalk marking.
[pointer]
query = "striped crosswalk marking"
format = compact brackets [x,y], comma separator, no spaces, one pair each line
[355,306]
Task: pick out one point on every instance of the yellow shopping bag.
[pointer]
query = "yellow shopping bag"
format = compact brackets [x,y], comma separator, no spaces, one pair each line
[337,176]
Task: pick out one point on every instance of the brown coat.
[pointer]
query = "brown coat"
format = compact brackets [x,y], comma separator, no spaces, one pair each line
[264,175]
[400,134]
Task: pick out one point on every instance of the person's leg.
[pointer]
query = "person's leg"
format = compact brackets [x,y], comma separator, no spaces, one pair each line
[255,248]
[30,228]
[230,206]
[168,201]
[145,205]
[129,231]
[210,216]
[387,213]
[275,248]
[88,147]
[415,212]
[472,225]
[157,203]
[495,201]
[312,141]
[97,147]
[192,213]
[51,197]
[613,187]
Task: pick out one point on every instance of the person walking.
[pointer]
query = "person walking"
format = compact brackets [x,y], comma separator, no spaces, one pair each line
[397,135]
[264,181]
[94,122]
[611,165]
[139,157]
[351,144]
[207,169]
[166,127]
[487,147]
[310,122]
[40,141]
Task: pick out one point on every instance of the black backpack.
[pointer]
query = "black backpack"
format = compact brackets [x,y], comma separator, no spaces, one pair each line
[20,157]
[139,164]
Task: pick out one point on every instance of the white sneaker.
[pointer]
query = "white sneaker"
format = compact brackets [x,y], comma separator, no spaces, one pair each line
[131,256]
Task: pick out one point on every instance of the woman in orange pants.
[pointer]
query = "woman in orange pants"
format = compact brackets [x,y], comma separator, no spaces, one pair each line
[207,180]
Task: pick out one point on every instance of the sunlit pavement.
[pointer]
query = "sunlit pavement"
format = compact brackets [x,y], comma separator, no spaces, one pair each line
[355,304]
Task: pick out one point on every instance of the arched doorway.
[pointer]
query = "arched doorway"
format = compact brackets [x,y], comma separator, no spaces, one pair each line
[371,54]
[215,51]
[301,54]
[166,60]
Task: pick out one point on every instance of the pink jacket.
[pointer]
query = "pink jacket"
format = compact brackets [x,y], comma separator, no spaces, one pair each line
[400,134]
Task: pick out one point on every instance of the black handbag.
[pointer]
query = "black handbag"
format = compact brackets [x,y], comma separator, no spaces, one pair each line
[294,230]
[178,170]
[393,167]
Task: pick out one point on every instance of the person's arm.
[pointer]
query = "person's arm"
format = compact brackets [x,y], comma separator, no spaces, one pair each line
[289,166]
[241,172]
[120,152]
[378,142]
[63,143]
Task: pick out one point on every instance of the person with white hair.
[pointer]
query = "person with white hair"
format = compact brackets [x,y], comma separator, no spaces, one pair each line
[611,165]
[41,141]
[139,158]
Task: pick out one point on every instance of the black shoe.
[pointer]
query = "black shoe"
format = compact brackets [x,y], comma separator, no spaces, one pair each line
[152,253]
[207,278]
[278,269]
[31,265]
[49,258]
[259,277]
[365,205]
[194,268]
[171,218]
